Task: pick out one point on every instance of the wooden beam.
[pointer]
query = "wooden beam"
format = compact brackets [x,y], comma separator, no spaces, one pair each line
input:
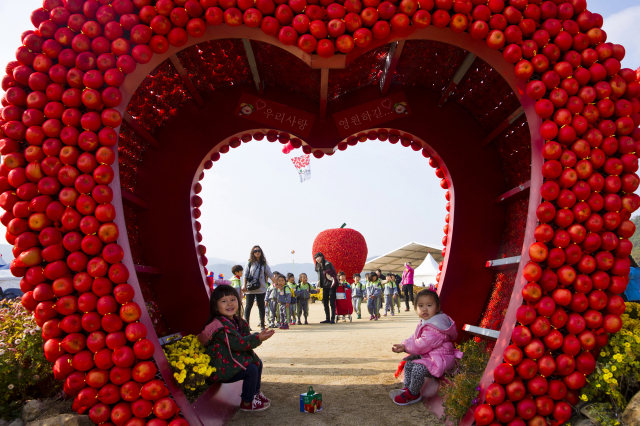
[147,270]
[390,66]
[187,80]
[457,77]
[517,192]
[484,333]
[133,201]
[506,263]
[324,91]
[141,131]
[253,65]
[502,127]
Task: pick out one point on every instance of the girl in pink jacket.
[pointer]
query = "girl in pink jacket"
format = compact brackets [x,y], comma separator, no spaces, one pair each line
[431,351]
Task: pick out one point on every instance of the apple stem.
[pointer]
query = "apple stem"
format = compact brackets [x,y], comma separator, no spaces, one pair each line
[343,225]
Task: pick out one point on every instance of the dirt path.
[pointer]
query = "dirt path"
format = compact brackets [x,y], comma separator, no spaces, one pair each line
[351,364]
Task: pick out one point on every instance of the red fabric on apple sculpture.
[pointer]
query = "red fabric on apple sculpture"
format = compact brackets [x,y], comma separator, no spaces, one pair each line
[345,248]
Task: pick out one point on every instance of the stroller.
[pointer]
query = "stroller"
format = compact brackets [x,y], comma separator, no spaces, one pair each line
[343,302]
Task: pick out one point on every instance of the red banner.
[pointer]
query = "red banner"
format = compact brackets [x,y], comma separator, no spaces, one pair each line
[276,115]
[371,114]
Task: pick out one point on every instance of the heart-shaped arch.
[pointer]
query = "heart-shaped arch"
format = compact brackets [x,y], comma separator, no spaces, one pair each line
[581,32]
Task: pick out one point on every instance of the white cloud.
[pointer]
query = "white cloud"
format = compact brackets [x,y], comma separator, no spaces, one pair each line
[622,28]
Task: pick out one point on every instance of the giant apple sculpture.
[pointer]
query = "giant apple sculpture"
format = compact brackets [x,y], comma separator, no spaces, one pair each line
[345,248]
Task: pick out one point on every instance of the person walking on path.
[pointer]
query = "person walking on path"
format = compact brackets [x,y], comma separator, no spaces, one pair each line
[407,285]
[328,287]
[257,271]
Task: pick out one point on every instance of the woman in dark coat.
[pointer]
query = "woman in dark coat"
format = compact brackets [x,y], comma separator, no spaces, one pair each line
[328,286]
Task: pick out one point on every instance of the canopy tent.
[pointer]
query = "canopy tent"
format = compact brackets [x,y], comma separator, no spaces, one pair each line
[7,280]
[426,273]
[412,252]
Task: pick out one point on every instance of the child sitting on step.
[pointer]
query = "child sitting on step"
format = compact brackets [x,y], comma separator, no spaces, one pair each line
[431,351]
[230,346]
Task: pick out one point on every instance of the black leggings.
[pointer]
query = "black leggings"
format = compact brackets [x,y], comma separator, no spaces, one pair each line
[329,301]
[407,290]
[250,300]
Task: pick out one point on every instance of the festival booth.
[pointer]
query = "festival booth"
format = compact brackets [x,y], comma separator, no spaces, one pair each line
[413,252]
[427,273]
[126,110]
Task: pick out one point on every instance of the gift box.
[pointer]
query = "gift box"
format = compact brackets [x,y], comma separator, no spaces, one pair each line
[310,402]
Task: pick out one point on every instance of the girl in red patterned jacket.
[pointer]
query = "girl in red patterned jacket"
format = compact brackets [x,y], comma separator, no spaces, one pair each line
[230,345]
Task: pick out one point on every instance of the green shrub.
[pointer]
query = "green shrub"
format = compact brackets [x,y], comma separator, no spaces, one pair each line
[459,394]
[24,371]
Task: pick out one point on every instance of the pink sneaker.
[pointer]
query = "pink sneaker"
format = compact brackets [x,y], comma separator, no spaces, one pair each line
[255,405]
[405,398]
[263,398]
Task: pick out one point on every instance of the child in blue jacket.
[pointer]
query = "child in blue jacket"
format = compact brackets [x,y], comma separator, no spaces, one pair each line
[283,293]
[358,292]
[389,292]
[374,291]
[303,291]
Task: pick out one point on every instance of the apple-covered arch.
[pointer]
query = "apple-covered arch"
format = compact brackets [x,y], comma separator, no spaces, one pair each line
[67,92]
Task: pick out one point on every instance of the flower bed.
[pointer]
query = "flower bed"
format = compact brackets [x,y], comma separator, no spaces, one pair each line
[190,365]
[25,373]
[617,376]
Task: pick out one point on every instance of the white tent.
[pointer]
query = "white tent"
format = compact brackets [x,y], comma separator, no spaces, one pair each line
[412,252]
[426,273]
[7,280]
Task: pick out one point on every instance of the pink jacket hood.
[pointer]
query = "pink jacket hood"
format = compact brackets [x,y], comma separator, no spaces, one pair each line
[433,341]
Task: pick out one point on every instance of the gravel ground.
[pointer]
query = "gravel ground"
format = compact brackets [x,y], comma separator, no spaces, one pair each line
[350,363]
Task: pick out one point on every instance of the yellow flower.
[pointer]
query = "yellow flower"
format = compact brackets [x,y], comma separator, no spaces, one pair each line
[603,353]
[584,397]
[614,368]
[627,345]
[598,385]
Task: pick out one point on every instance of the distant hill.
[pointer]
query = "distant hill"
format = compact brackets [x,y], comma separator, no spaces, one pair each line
[223,266]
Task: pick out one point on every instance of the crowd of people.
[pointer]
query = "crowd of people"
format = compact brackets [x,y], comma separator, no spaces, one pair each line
[231,344]
[285,300]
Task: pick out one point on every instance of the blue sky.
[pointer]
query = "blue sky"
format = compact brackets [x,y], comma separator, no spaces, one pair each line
[387,192]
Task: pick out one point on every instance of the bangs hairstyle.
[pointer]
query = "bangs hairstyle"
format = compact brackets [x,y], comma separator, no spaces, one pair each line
[356,275]
[371,275]
[427,293]
[342,274]
[290,275]
[300,277]
[218,293]
[252,258]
